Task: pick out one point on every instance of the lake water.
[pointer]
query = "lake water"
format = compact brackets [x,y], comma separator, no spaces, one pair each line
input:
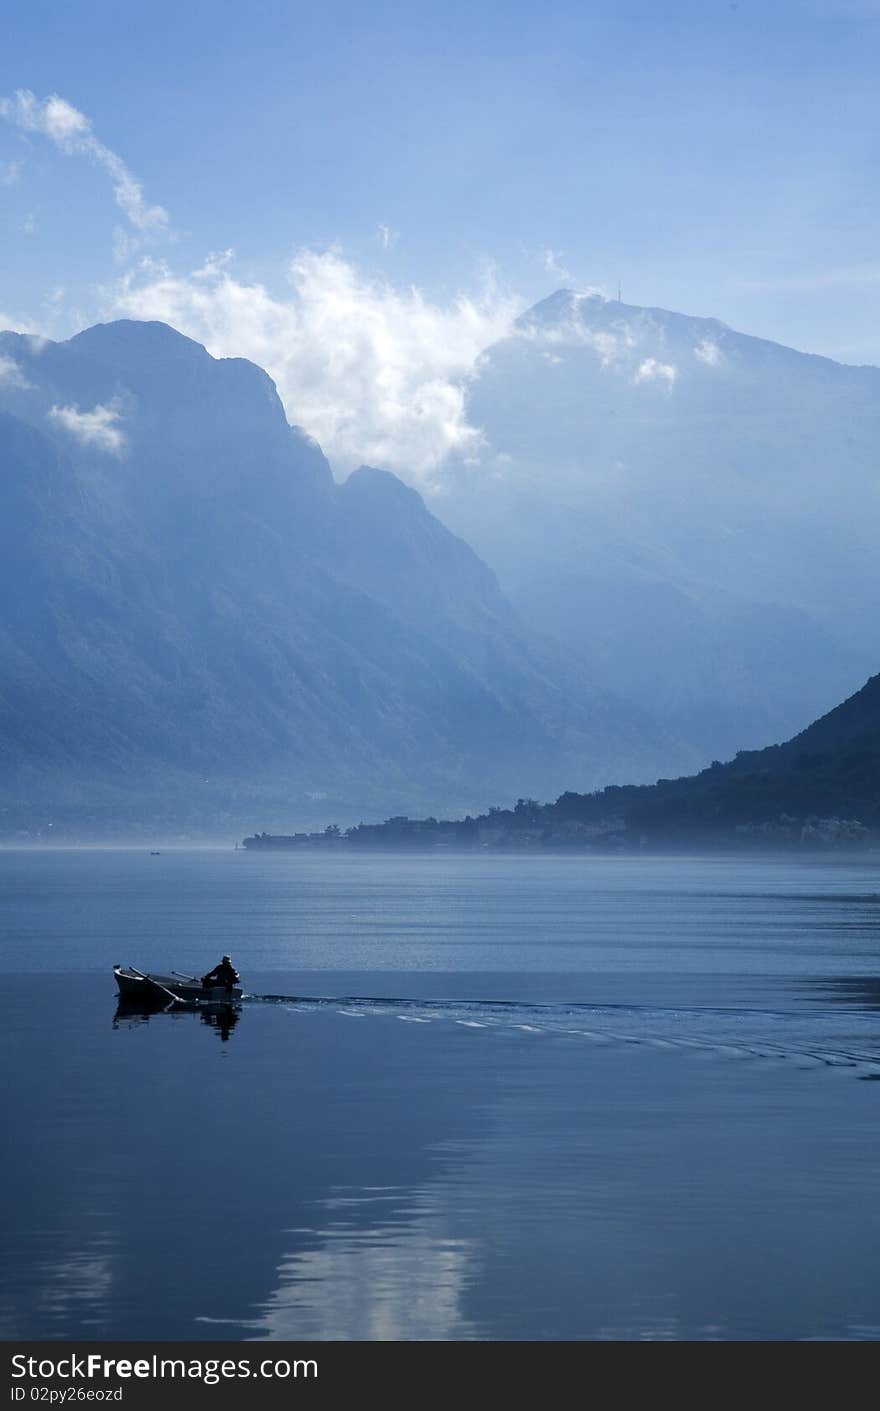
[479,1097]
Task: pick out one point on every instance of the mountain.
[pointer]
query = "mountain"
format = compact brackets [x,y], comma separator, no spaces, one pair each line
[819,790]
[692,510]
[201,627]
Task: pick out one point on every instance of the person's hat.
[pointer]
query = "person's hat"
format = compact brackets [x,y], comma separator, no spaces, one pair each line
[226,957]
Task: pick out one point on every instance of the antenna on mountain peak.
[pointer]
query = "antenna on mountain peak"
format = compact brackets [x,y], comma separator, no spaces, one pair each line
[619,299]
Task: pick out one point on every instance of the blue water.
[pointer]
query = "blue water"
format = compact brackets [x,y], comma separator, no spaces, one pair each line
[463,1098]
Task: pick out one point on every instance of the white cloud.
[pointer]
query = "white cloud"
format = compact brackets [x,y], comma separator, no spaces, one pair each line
[387,237]
[650,370]
[612,347]
[18,323]
[96,428]
[216,262]
[373,372]
[708,352]
[552,262]
[9,173]
[72,132]
[11,374]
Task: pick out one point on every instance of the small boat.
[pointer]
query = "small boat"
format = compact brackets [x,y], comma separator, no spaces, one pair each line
[156,990]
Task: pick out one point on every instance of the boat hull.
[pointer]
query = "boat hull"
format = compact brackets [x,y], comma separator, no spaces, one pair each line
[155,990]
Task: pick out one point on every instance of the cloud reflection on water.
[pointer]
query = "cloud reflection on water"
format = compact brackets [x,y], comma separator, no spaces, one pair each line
[372,1274]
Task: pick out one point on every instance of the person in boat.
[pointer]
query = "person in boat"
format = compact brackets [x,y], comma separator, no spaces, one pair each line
[223,974]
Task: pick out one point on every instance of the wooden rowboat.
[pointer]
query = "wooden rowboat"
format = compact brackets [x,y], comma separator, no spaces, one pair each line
[156,991]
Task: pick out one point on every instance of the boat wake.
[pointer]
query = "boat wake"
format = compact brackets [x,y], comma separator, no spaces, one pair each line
[823,1037]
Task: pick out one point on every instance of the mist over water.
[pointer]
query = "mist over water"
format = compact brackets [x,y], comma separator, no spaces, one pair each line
[462,1098]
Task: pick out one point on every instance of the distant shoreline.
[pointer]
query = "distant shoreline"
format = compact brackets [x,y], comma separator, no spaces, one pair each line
[654,848]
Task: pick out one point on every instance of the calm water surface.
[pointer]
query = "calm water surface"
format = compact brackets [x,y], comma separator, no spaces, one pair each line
[466,1098]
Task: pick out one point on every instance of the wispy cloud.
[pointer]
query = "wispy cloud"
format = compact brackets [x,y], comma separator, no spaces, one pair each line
[96,428]
[620,342]
[71,131]
[19,323]
[651,370]
[552,262]
[612,345]
[10,173]
[388,238]
[708,352]
[11,374]
[374,372]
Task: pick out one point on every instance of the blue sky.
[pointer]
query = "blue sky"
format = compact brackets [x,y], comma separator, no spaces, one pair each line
[716,158]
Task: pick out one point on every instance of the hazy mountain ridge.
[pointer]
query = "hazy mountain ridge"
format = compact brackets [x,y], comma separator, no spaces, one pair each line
[691,509]
[203,626]
[819,790]
[822,787]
